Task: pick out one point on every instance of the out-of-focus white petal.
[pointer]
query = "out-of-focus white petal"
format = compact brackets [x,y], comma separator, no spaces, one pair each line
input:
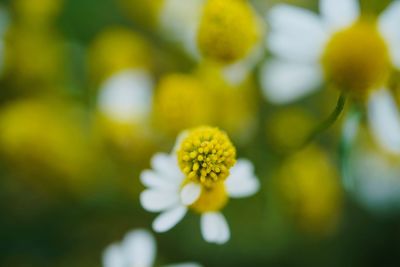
[153,180]
[242,181]
[179,21]
[139,248]
[388,23]
[126,96]
[186,264]
[237,72]
[350,128]
[284,82]
[384,120]
[156,200]
[190,193]
[113,256]
[339,13]
[296,34]
[168,219]
[377,179]
[214,228]
[167,166]
[162,162]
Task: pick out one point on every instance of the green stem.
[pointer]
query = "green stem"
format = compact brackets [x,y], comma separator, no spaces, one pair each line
[348,136]
[333,117]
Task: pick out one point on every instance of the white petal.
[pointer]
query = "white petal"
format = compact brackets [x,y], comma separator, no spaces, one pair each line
[339,13]
[156,200]
[113,257]
[384,120]
[179,21]
[284,82]
[214,228]
[167,166]
[154,181]
[187,264]
[162,162]
[296,34]
[377,178]
[168,219]
[242,181]
[126,96]
[350,128]
[139,248]
[190,193]
[389,22]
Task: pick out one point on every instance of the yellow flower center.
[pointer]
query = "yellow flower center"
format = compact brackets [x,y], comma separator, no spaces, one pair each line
[206,155]
[228,29]
[181,102]
[211,199]
[356,59]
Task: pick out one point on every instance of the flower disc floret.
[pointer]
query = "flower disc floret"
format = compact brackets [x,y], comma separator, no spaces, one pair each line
[228,30]
[206,155]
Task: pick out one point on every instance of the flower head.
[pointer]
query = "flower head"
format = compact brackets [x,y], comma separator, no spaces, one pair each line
[206,155]
[354,53]
[228,30]
[357,58]
[181,181]
[181,102]
[340,47]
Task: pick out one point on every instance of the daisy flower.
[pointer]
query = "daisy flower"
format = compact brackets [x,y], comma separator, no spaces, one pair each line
[199,175]
[138,249]
[340,47]
[211,30]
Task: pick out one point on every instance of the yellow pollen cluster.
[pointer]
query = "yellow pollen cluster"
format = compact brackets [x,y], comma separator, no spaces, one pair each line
[357,59]
[206,155]
[228,30]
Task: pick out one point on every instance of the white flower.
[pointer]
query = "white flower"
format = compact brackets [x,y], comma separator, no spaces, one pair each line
[169,192]
[179,21]
[138,249]
[306,49]
[126,96]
